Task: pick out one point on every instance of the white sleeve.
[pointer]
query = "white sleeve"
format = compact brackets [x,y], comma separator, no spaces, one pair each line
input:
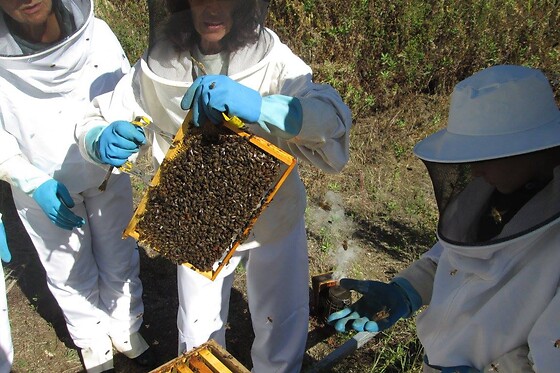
[420,274]
[434,253]
[324,137]
[119,104]
[23,175]
[9,146]
[15,168]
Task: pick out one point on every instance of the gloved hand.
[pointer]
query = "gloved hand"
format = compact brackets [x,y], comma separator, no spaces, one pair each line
[53,197]
[211,95]
[5,254]
[379,308]
[117,142]
[459,369]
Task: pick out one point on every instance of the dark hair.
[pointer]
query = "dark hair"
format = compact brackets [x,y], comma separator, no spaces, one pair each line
[247,19]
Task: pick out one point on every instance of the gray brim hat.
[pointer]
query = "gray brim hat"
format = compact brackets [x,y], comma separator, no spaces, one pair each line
[498,112]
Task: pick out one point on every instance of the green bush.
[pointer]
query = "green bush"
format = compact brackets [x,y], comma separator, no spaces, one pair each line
[129,21]
[379,52]
[375,53]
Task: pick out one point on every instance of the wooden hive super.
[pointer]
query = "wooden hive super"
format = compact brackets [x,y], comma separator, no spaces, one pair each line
[206,196]
[208,358]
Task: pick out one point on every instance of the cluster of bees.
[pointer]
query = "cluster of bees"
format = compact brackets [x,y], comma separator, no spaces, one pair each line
[206,198]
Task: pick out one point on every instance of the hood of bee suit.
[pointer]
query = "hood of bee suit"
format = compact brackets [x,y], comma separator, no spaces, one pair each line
[500,112]
[54,67]
[173,41]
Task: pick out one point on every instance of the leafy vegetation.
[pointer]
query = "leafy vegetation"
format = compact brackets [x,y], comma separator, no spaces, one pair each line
[376,53]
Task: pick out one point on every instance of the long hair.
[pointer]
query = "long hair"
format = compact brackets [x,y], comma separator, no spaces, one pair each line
[247,22]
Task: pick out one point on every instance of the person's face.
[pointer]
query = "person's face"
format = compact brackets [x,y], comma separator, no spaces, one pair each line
[509,174]
[28,13]
[213,21]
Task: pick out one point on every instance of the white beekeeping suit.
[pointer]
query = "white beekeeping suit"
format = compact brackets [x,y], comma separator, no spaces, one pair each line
[275,253]
[44,90]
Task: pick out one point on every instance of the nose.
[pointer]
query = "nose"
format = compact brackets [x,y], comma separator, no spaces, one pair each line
[212,3]
[212,6]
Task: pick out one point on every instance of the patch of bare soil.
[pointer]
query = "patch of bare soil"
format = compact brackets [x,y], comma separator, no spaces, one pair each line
[366,247]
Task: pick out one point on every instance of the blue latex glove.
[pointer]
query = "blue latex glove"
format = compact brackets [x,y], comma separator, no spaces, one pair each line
[117,142]
[211,95]
[4,251]
[456,369]
[379,308]
[55,200]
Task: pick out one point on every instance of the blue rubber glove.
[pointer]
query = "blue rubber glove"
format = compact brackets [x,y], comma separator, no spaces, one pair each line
[117,142]
[5,254]
[379,308]
[55,200]
[459,369]
[211,95]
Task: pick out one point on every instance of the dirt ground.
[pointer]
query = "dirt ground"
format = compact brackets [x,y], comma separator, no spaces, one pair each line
[42,343]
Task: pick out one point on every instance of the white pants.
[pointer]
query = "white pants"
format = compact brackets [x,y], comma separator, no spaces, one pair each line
[278,296]
[91,271]
[6,347]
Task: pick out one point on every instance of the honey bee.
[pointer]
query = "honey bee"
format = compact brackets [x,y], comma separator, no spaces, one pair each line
[324,205]
[382,314]
[496,215]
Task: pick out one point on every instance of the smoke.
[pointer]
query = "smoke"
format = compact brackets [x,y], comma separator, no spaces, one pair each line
[329,221]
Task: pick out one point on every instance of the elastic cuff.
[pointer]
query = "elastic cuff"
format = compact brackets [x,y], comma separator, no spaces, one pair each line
[414,299]
[282,116]
[90,141]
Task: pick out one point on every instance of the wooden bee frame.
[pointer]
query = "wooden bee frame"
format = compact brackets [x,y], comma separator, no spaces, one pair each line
[288,163]
[209,357]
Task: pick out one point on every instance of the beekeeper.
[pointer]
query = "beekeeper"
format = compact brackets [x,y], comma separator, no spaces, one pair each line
[6,347]
[217,57]
[491,281]
[55,57]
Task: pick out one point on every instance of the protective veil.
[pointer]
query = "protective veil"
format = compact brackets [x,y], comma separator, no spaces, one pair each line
[46,89]
[275,254]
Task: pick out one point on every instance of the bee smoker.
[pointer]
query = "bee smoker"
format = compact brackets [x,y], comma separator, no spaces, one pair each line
[328,296]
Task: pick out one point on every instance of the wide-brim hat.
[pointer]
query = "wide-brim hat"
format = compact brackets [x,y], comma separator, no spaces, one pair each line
[498,112]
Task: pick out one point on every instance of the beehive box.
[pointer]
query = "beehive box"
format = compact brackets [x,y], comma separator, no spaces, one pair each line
[210,358]
[207,194]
